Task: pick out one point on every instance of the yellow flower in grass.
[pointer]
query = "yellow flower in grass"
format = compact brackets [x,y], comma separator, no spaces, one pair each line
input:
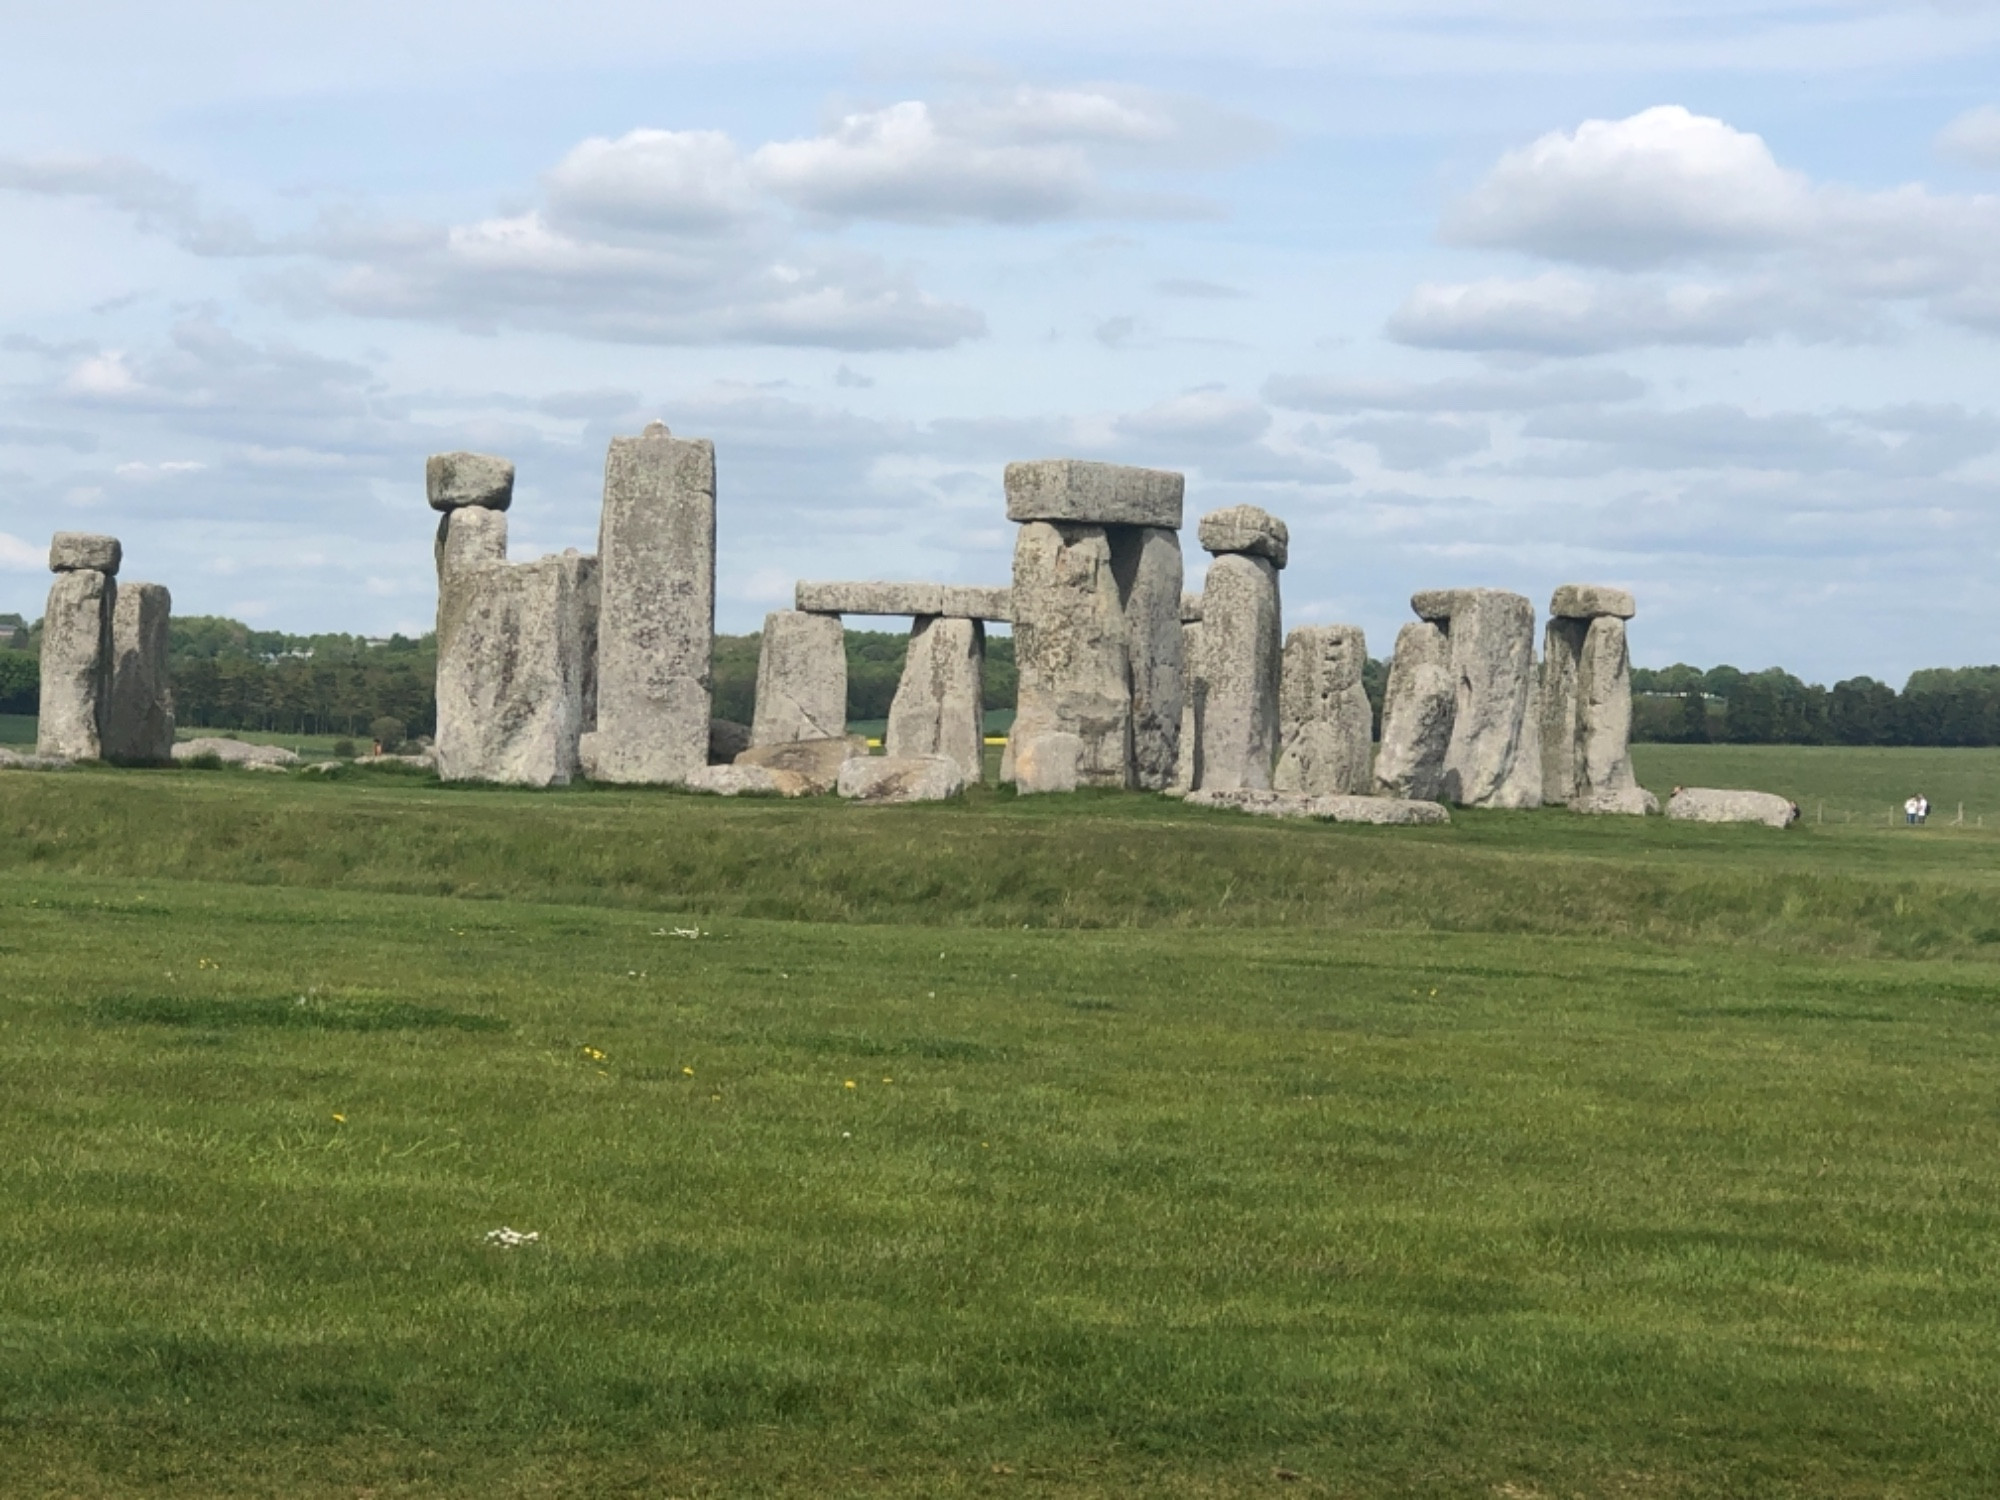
[593,1054]
[688,1071]
[850,1083]
[340,1119]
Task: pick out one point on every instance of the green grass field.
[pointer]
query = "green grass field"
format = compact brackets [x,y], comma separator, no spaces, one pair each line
[1043,1147]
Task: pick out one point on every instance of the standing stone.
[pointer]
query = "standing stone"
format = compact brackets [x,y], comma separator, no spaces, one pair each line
[470,535]
[656,572]
[515,685]
[1604,705]
[1417,707]
[1146,561]
[1073,714]
[1241,649]
[139,709]
[1495,720]
[937,709]
[801,679]
[76,659]
[1187,759]
[1325,726]
[1562,649]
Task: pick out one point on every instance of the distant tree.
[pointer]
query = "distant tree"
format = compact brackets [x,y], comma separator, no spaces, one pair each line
[20,683]
[1693,726]
[389,733]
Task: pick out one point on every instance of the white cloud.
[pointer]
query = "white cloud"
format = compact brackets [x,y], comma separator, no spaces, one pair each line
[1201,419]
[1408,443]
[1909,441]
[17,556]
[1664,188]
[103,374]
[1973,137]
[677,181]
[1338,395]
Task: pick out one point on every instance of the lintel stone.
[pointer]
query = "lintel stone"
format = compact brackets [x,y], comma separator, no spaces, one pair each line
[1590,601]
[452,480]
[870,598]
[75,551]
[1246,529]
[1094,494]
[977,601]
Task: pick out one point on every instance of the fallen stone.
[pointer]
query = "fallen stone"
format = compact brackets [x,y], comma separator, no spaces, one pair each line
[1241,654]
[816,763]
[76,665]
[869,598]
[80,551]
[741,780]
[937,709]
[801,679]
[1328,809]
[1494,759]
[139,706]
[1246,529]
[1417,706]
[1093,494]
[452,480]
[883,778]
[1325,724]
[727,739]
[1146,561]
[1700,804]
[654,609]
[1072,723]
[977,601]
[1590,601]
[515,649]
[234,752]
[264,765]
[1632,801]
[13,760]
[423,760]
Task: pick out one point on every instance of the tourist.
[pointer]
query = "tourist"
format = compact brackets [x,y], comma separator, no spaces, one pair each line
[1910,811]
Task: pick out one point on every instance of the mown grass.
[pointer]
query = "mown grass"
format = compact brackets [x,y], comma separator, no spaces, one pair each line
[1532,1156]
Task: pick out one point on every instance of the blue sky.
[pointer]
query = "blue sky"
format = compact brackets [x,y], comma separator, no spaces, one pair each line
[1699,299]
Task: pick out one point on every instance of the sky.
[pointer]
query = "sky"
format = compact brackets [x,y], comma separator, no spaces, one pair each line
[1701,299]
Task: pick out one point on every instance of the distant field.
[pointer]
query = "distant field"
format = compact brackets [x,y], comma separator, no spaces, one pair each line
[1842,783]
[18,729]
[1080,1146]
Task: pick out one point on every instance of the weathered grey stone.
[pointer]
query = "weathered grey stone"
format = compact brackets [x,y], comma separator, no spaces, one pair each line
[1439,605]
[1093,494]
[1328,809]
[656,628]
[741,780]
[1072,724]
[1631,801]
[13,760]
[1494,759]
[81,551]
[470,535]
[76,663]
[937,709]
[801,679]
[1241,654]
[884,778]
[1246,529]
[1187,758]
[234,752]
[139,707]
[1190,609]
[1146,561]
[452,480]
[515,645]
[1325,724]
[727,739]
[870,598]
[977,601]
[1562,647]
[1417,706]
[816,763]
[264,765]
[1604,710]
[1590,601]
[1701,804]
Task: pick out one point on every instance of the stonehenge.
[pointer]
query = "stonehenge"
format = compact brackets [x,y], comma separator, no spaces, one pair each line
[1325,724]
[139,703]
[1699,804]
[937,709]
[1097,637]
[1587,701]
[1418,704]
[656,597]
[106,693]
[1493,758]
[801,679]
[1236,685]
[1330,808]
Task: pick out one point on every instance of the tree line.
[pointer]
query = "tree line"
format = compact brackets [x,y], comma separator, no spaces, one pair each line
[1937,706]
[228,676]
